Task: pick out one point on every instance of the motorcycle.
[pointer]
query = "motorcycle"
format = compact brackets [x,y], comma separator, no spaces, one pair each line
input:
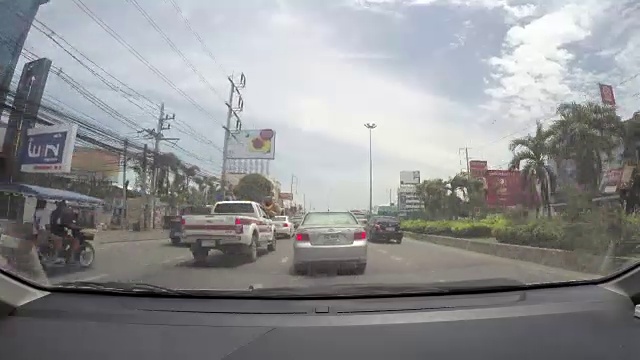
[82,258]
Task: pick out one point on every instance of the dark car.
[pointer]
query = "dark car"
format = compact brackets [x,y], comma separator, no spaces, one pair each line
[384,228]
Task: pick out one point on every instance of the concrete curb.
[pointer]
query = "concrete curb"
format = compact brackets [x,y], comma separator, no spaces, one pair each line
[562,259]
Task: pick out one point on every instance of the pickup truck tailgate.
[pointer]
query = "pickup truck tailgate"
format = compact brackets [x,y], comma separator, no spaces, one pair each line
[209,225]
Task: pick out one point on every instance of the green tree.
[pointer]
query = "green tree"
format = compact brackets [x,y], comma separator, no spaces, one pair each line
[533,151]
[253,187]
[585,133]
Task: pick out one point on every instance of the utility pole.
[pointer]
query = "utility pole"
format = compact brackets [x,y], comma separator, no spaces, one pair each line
[158,136]
[233,109]
[370,126]
[145,209]
[296,180]
[466,156]
[123,218]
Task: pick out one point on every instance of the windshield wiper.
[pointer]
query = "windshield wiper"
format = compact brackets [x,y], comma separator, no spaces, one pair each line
[121,287]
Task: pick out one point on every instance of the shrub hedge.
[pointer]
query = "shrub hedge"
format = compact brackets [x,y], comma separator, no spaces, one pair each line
[591,233]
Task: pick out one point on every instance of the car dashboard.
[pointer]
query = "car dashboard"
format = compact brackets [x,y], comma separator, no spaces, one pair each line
[593,321]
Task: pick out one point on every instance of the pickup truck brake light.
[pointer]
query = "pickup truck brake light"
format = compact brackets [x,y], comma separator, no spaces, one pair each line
[182,221]
[239,226]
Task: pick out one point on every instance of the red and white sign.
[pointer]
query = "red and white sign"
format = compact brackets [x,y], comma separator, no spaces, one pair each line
[606,94]
[478,168]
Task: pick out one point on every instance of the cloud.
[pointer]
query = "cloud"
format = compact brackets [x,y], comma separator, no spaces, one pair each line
[317,71]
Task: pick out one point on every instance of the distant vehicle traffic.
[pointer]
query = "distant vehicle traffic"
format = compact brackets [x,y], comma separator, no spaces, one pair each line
[384,228]
[233,227]
[283,227]
[330,238]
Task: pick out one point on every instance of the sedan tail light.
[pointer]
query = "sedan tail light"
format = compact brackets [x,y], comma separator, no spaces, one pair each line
[302,237]
[285,225]
[182,221]
[361,235]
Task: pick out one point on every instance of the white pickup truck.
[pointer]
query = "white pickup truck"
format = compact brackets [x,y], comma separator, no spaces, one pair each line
[233,227]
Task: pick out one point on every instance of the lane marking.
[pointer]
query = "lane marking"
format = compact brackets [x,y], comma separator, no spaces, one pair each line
[397,258]
[284,259]
[382,251]
[93,278]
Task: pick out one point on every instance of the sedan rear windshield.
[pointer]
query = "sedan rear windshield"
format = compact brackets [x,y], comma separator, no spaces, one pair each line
[330,219]
[233,208]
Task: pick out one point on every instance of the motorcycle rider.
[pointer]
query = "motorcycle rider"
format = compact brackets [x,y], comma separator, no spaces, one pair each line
[62,219]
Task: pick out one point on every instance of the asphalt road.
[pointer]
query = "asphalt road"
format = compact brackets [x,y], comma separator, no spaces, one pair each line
[157,262]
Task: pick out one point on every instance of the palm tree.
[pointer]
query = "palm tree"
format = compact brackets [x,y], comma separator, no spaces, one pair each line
[586,133]
[433,194]
[534,151]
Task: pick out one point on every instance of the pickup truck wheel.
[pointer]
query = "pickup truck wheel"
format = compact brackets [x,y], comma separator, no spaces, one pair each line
[252,249]
[272,244]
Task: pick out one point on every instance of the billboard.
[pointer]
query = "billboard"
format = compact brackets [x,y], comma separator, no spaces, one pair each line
[26,103]
[409,177]
[478,168]
[286,196]
[48,149]
[504,188]
[98,163]
[606,94]
[252,144]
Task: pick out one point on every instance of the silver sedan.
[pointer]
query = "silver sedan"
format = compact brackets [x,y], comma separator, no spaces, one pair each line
[330,238]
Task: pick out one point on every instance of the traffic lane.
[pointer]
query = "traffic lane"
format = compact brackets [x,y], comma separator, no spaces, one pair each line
[220,271]
[410,262]
[437,263]
[126,261]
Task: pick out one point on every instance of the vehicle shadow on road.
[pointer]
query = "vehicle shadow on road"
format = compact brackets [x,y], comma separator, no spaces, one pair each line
[220,260]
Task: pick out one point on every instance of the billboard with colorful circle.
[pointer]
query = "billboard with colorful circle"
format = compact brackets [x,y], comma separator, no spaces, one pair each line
[252,144]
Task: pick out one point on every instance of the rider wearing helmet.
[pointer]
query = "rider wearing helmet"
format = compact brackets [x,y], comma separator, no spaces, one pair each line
[62,219]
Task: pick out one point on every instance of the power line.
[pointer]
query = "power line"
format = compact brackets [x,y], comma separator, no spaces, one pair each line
[173,46]
[82,6]
[196,35]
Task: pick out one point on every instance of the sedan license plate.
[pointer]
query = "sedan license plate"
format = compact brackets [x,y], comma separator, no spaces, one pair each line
[391,229]
[331,238]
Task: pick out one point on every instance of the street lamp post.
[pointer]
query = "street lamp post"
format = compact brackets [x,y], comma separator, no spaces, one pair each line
[370,126]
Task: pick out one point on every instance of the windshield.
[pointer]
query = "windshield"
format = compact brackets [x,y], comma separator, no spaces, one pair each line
[329,219]
[233,208]
[228,144]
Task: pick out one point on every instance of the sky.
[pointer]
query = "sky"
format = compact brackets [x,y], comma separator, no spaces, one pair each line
[433,75]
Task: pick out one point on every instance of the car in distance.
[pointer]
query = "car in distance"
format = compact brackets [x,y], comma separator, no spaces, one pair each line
[283,226]
[330,238]
[384,228]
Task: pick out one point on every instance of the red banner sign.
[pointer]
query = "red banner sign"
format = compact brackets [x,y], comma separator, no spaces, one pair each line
[286,196]
[606,94]
[504,188]
[478,168]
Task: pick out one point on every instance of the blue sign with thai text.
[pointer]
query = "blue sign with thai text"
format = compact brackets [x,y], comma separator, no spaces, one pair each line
[48,149]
